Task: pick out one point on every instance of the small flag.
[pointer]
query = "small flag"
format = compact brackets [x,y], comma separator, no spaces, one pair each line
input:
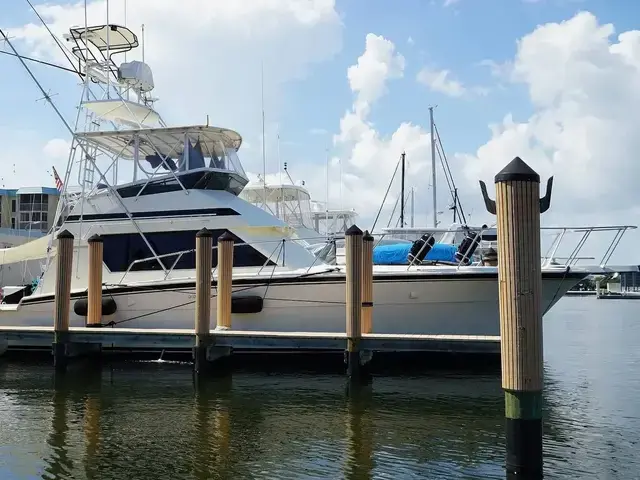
[59,184]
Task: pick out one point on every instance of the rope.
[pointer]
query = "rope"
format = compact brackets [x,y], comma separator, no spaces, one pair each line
[558,290]
[214,295]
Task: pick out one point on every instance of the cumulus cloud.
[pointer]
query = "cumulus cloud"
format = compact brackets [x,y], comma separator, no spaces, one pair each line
[57,149]
[442,81]
[368,77]
[582,83]
[362,160]
[368,157]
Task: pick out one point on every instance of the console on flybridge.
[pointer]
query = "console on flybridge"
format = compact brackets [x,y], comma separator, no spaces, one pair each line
[94,47]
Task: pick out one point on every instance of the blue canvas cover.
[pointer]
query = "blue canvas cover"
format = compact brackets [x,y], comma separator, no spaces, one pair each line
[396,254]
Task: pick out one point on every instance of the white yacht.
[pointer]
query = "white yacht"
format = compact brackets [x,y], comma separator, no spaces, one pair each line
[183,178]
[292,204]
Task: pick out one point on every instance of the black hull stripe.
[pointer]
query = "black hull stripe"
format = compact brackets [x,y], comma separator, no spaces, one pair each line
[220,212]
[308,280]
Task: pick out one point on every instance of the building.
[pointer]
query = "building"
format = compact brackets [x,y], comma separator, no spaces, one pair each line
[28,209]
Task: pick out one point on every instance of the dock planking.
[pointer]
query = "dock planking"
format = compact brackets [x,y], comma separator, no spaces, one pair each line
[142,338]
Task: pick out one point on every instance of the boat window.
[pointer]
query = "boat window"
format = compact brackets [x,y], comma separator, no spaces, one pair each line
[120,250]
[200,180]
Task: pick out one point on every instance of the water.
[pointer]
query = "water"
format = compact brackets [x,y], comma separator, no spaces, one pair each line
[149,421]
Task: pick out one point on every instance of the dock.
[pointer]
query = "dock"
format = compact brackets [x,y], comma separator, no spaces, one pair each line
[133,339]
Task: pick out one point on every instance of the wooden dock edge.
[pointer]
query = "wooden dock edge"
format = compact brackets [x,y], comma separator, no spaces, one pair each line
[146,339]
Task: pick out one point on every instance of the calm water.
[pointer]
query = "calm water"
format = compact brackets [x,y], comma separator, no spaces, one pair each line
[149,421]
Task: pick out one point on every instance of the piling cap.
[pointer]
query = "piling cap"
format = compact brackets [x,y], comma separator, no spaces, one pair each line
[205,232]
[517,171]
[353,230]
[65,234]
[367,236]
[226,237]
[95,239]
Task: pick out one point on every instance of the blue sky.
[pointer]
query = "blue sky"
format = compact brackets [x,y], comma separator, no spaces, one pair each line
[456,37]
[306,61]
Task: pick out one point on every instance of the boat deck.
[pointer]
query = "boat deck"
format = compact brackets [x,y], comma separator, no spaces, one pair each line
[140,338]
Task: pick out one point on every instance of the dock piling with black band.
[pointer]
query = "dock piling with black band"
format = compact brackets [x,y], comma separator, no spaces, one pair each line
[204,255]
[353,299]
[518,210]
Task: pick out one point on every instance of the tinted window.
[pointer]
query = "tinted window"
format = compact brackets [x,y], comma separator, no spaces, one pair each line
[204,180]
[122,249]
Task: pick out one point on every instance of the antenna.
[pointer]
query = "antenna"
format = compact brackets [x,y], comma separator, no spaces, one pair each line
[279,162]
[264,156]
[327,196]
[125,52]
[402,192]
[107,56]
[341,203]
[142,42]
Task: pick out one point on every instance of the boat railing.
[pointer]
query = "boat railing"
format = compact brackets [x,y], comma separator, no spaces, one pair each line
[584,234]
[277,256]
[277,248]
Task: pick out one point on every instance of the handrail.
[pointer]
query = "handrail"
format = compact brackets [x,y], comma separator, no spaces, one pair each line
[549,256]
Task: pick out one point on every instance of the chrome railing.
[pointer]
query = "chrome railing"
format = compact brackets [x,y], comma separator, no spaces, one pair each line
[277,254]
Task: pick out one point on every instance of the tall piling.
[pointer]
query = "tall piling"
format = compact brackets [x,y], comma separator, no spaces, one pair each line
[94,290]
[204,256]
[62,299]
[225,281]
[353,299]
[367,282]
[518,210]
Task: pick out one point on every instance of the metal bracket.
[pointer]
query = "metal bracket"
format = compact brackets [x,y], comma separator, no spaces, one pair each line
[490,204]
[545,202]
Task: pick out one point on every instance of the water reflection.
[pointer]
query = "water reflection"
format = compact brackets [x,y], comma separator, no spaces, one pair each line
[359,433]
[151,421]
[58,464]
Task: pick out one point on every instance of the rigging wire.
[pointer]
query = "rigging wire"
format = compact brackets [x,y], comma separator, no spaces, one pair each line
[456,199]
[64,50]
[385,195]
[48,64]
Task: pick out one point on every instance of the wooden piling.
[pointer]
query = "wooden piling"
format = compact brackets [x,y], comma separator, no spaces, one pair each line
[518,210]
[367,282]
[353,300]
[204,256]
[225,283]
[62,299]
[94,291]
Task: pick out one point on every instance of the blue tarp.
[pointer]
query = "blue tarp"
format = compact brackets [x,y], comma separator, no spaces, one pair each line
[397,254]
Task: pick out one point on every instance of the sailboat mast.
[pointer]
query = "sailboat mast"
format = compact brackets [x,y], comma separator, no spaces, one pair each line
[402,192]
[412,206]
[264,157]
[433,168]
[326,217]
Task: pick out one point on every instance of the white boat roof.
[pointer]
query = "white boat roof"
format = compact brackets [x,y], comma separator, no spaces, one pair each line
[124,111]
[285,192]
[165,141]
[120,38]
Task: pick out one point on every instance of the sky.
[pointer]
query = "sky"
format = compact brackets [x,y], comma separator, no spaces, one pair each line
[350,83]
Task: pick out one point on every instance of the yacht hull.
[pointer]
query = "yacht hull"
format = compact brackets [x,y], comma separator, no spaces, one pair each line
[449,305]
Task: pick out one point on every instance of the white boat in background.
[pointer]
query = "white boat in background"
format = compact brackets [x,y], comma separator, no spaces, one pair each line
[183,178]
[292,204]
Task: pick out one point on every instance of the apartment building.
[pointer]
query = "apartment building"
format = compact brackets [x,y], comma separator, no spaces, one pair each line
[28,209]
